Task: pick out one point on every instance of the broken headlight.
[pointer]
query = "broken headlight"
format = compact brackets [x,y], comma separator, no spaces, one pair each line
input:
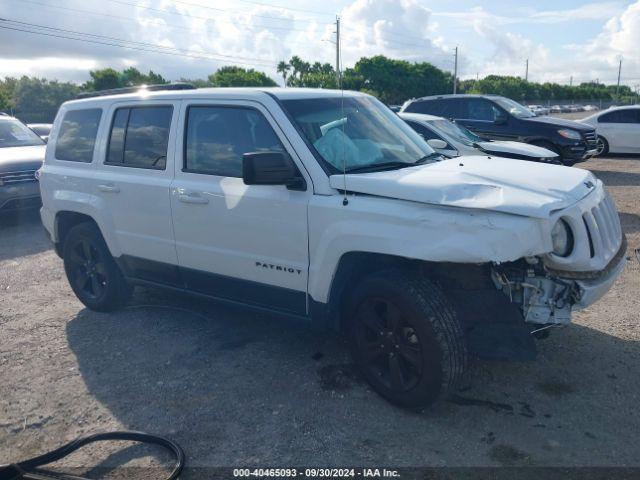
[562,239]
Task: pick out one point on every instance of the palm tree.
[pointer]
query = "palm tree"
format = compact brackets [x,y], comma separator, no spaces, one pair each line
[283,68]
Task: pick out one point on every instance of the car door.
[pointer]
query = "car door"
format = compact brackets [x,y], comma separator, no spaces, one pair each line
[621,128]
[132,182]
[484,118]
[634,140]
[246,243]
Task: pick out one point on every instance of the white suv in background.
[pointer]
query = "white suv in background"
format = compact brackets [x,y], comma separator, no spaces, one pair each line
[326,206]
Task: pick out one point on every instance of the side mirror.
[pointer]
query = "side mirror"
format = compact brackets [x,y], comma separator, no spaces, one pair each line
[437,144]
[271,168]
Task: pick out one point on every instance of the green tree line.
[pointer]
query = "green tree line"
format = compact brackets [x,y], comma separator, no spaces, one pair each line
[392,81]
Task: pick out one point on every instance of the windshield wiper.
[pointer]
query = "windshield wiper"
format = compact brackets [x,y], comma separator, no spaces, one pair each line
[376,167]
[432,156]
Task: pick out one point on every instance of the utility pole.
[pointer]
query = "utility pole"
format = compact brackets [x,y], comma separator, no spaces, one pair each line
[455,72]
[618,85]
[338,76]
[526,72]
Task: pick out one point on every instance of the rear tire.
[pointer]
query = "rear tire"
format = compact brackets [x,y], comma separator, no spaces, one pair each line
[405,337]
[602,146]
[91,270]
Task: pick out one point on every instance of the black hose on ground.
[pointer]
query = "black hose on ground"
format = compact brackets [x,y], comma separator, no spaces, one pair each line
[25,468]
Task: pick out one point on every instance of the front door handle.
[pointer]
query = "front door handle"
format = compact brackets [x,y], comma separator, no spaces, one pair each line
[109,188]
[193,197]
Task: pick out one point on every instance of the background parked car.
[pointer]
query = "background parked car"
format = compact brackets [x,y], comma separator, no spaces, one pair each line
[21,155]
[452,140]
[499,118]
[42,129]
[539,110]
[618,129]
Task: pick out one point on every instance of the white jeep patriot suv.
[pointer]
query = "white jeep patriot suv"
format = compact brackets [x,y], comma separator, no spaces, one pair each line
[326,206]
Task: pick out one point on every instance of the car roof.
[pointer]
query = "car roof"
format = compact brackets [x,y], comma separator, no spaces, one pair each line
[456,95]
[243,93]
[621,107]
[419,117]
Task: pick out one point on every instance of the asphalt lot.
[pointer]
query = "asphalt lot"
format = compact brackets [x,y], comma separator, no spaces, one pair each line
[239,388]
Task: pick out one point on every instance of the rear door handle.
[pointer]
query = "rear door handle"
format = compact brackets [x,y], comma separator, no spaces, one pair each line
[193,197]
[109,188]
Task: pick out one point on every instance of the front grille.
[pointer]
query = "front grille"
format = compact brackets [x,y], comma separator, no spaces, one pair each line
[603,228]
[22,176]
[591,138]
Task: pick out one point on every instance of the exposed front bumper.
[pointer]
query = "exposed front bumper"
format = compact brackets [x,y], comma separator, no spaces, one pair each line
[590,291]
[19,196]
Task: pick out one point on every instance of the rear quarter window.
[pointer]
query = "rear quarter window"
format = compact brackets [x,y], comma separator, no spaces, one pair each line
[443,107]
[77,138]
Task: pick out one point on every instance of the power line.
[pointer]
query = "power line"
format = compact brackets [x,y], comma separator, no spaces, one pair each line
[144,44]
[286,8]
[207,7]
[164,12]
[157,49]
[129,19]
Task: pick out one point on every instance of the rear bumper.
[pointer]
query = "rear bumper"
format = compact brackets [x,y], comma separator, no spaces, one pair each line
[19,196]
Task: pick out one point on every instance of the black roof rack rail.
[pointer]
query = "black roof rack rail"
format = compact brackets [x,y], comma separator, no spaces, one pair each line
[148,88]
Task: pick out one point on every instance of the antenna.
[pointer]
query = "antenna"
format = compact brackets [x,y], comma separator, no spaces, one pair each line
[345,200]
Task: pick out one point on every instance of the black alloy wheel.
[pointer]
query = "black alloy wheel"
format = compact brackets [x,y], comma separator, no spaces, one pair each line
[391,346]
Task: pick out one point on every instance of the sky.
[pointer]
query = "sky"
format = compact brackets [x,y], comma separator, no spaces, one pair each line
[564,41]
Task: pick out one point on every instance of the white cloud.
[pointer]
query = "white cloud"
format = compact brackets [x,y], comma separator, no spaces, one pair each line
[401,29]
[226,31]
[590,11]
[591,60]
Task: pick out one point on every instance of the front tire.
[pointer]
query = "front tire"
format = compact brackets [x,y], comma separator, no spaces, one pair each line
[406,338]
[550,146]
[92,273]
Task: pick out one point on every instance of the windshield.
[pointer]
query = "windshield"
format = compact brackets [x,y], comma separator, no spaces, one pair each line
[513,107]
[355,133]
[455,131]
[14,133]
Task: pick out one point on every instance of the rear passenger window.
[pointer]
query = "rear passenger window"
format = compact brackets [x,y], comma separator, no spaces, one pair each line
[620,116]
[139,137]
[77,137]
[217,137]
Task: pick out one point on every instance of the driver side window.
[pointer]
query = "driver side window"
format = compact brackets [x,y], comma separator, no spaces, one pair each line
[218,137]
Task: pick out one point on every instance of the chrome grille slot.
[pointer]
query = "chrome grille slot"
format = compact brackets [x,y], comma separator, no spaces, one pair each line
[9,178]
[591,138]
[603,228]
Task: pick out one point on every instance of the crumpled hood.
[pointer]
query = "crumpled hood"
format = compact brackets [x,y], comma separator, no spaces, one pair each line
[518,148]
[501,184]
[21,158]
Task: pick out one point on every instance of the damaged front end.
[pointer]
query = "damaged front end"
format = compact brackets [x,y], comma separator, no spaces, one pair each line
[548,296]
[503,305]
[547,288]
[543,299]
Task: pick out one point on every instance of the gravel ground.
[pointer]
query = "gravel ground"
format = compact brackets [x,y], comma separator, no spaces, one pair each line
[239,388]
